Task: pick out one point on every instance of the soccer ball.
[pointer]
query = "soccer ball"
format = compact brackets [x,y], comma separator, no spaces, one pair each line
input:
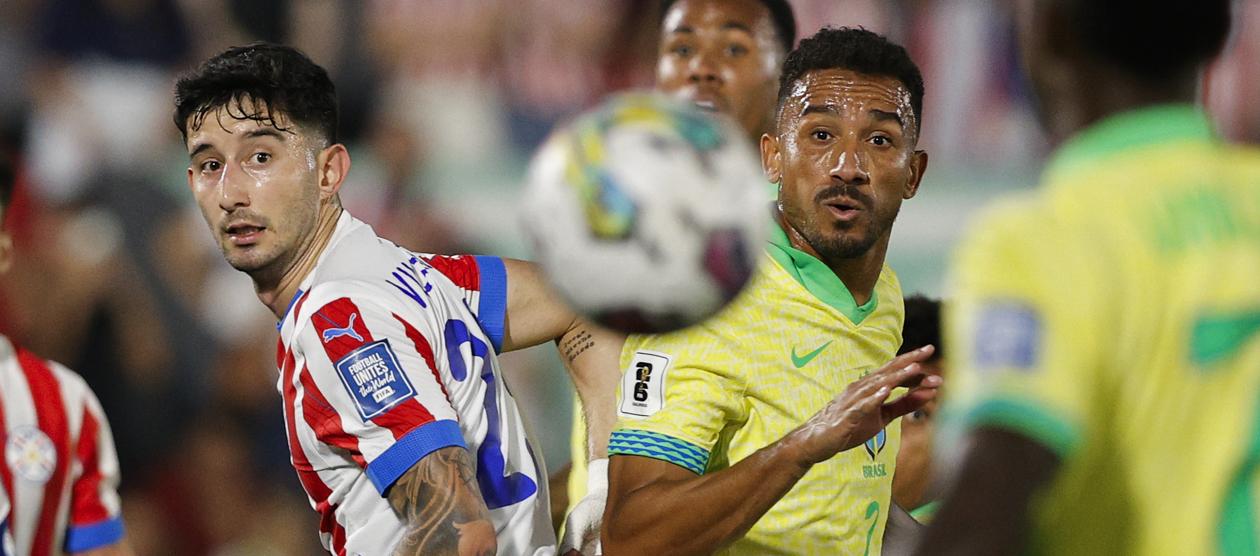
[647,214]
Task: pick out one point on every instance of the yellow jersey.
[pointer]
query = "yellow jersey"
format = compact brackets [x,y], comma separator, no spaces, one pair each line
[710,395]
[1114,317]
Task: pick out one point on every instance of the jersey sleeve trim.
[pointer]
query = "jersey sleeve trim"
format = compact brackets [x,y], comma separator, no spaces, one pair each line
[102,533]
[1027,418]
[411,448]
[492,307]
[659,446]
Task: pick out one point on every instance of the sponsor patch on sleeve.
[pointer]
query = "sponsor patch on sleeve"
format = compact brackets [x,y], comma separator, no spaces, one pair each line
[374,379]
[1007,336]
[643,384]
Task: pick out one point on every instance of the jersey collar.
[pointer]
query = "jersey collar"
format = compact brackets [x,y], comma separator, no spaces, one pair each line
[816,277]
[1127,130]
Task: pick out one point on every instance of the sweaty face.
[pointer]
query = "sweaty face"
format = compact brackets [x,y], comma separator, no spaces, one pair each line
[844,153]
[257,187]
[722,55]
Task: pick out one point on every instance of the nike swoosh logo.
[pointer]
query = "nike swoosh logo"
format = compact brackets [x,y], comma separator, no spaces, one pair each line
[802,360]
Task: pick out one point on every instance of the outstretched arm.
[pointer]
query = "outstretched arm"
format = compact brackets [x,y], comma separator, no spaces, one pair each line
[987,510]
[439,501]
[536,314]
[658,507]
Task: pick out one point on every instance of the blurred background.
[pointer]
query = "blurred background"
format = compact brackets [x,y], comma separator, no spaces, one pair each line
[442,101]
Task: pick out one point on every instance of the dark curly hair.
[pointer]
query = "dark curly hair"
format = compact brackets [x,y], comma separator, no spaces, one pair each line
[269,79]
[858,50]
[780,14]
[1152,42]
[923,325]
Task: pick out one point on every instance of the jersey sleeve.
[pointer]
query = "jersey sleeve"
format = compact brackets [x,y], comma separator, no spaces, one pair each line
[6,539]
[1024,331]
[483,281]
[671,405]
[95,508]
[371,386]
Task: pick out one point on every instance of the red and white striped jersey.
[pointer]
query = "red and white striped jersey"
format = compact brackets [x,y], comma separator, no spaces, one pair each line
[385,356]
[60,469]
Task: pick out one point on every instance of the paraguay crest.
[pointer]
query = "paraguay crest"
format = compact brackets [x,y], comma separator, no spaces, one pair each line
[30,454]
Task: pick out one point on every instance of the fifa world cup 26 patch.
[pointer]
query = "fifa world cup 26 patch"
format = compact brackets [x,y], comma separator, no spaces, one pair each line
[1006,336]
[374,379]
[643,384]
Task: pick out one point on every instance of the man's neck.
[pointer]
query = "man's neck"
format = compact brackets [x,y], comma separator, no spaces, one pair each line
[1105,94]
[859,274]
[277,297]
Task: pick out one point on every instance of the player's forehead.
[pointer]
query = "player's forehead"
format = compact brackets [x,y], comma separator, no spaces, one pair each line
[240,119]
[844,91]
[689,16]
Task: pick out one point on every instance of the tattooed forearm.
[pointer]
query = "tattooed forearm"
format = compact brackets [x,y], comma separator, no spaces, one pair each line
[439,500]
[577,342]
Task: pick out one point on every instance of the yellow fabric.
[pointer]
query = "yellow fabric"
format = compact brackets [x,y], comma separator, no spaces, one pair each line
[1075,322]
[732,387]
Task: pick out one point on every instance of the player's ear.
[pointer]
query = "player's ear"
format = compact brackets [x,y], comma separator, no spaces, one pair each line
[333,163]
[918,165]
[771,158]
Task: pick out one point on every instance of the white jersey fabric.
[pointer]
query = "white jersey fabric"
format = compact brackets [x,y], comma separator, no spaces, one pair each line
[386,355]
[59,471]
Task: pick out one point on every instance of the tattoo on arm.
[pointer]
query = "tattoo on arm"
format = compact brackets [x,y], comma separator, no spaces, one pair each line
[579,341]
[440,503]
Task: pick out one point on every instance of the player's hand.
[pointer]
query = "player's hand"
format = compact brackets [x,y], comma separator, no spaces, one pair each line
[581,527]
[863,409]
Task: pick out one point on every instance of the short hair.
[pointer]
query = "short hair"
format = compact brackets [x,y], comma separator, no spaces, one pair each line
[923,325]
[1151,41]
[855,49]
[781,15]
[275,79]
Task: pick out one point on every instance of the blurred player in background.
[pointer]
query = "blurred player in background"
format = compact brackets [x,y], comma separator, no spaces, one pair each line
[401,428]
[6,539]
[914,490]
[729,449]
[723,56]
[1105,346]
[60,469]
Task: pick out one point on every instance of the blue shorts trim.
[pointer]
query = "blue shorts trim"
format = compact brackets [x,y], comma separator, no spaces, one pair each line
[421,441]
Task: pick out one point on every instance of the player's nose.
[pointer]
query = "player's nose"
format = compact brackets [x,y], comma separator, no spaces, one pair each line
[849,165]
[702,68]
[233,193]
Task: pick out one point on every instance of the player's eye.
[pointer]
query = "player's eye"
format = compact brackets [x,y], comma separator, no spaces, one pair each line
[821,135]
[736,50]
[261,157]
[681,50]
[211,166]
[881,141]
[918,415]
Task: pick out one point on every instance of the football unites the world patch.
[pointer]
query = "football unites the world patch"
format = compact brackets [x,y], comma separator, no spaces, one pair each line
[1007,336]
[374,379]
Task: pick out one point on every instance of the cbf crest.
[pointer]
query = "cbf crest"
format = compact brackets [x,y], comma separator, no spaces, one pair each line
[876,443]
[30,454]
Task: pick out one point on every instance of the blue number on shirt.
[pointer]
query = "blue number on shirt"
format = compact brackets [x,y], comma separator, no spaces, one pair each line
[497,489]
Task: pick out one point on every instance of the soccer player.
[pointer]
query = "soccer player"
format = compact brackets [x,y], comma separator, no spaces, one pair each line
[6,540]
[59,471]
[731,433]
[1106,338]
[400,426]
[723,56]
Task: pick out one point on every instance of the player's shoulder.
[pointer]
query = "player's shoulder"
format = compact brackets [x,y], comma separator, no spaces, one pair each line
[70,383]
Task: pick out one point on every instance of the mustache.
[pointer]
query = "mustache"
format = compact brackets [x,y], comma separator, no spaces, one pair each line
[844,190]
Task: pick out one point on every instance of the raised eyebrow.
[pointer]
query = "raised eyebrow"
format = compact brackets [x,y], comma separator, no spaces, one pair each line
[820,109]
[884,115]
[198,148]
[682,29]
[265,132]
[736,26]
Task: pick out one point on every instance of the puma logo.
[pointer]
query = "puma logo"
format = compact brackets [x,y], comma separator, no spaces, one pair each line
[332,333]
